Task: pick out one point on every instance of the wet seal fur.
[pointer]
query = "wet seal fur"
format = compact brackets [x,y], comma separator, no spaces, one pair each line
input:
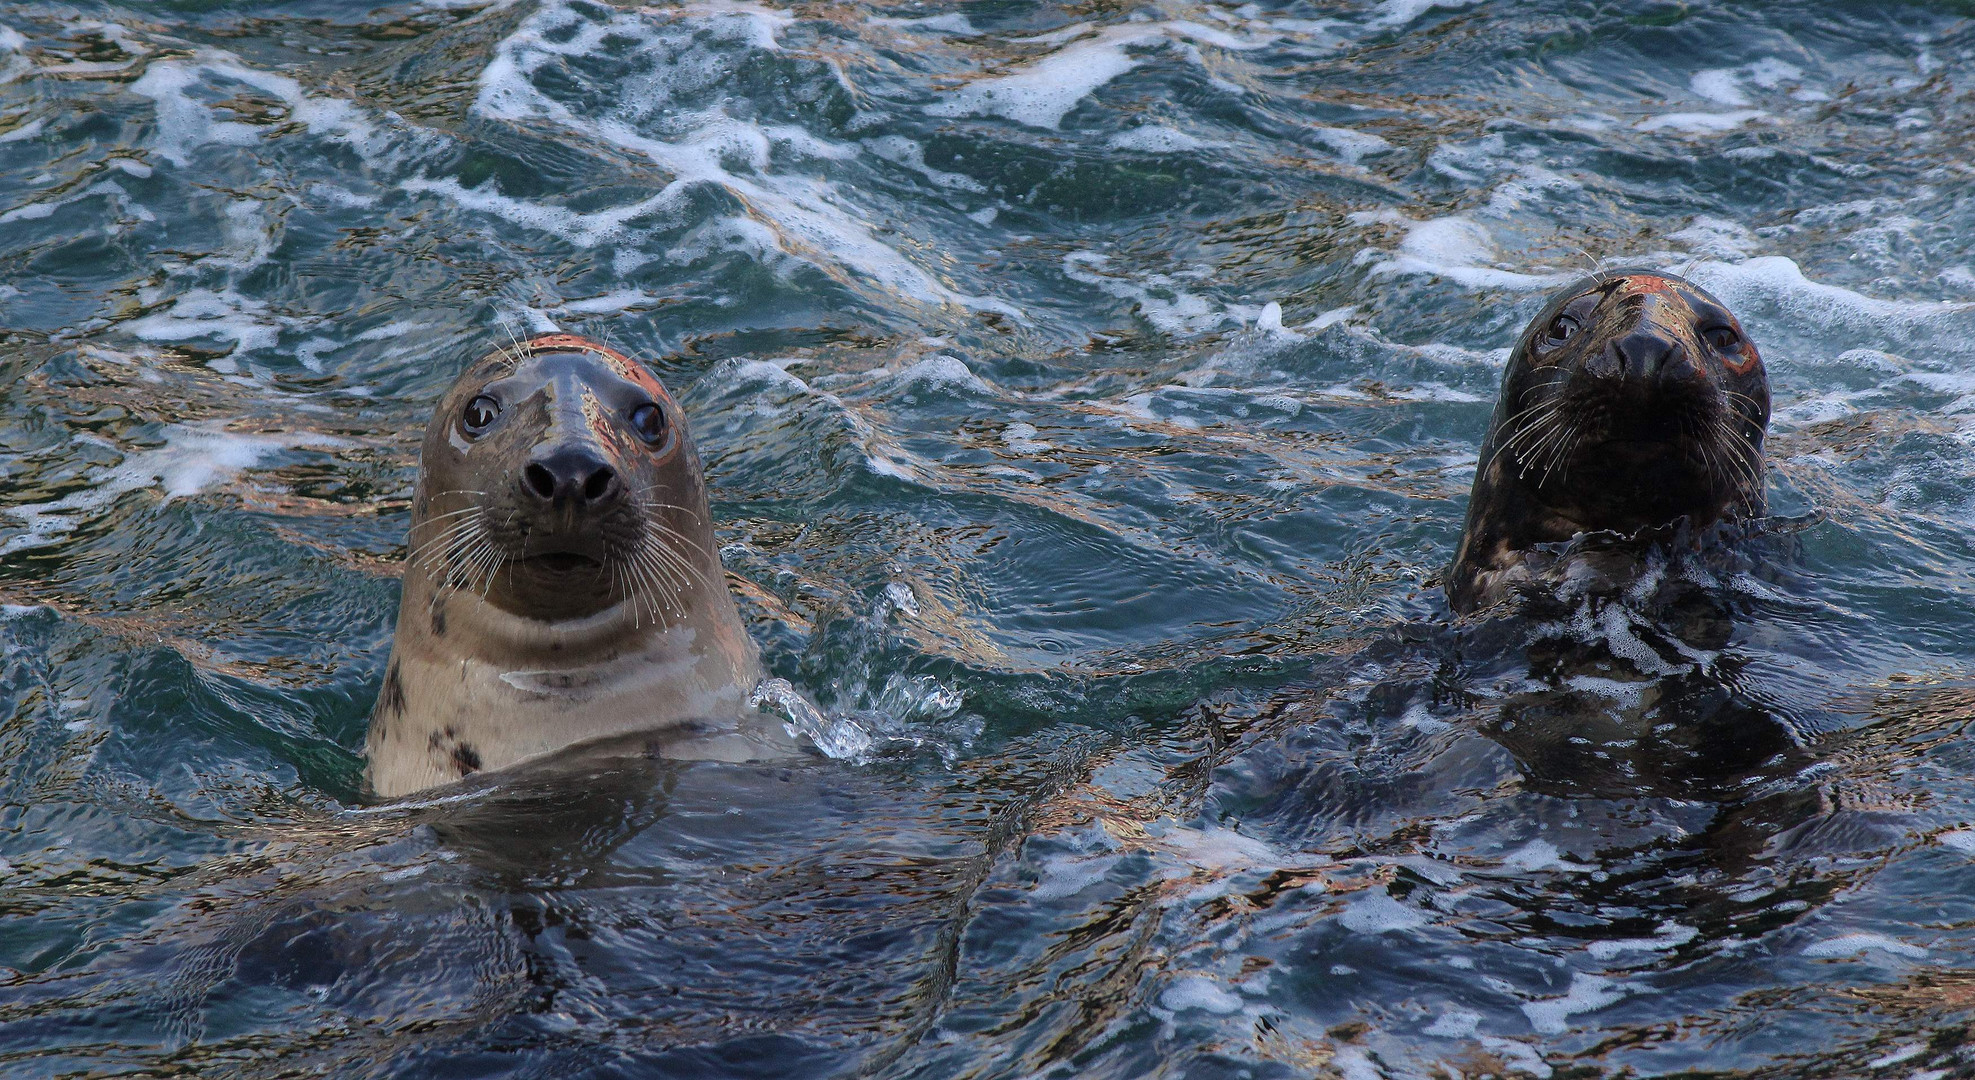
[1633,401]
[562,582]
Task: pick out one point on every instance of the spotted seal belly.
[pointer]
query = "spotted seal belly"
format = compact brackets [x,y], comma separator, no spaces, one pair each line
[1634,400]
[562,582]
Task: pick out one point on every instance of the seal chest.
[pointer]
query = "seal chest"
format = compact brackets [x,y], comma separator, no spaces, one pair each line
[1632,401]
[561,583]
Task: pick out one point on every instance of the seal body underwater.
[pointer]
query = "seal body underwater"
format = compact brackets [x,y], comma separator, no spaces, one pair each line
[1632,401]
[562,582]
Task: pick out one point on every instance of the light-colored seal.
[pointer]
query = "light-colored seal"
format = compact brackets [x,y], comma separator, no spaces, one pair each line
[562,582]
[1632,401]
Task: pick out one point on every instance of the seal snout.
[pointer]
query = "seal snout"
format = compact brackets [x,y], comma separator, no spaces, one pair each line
[1647,354]
[573,478]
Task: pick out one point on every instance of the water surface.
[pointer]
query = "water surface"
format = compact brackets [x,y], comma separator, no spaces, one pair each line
[1089,394]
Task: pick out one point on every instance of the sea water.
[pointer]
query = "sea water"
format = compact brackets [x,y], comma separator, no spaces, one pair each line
[1089,396]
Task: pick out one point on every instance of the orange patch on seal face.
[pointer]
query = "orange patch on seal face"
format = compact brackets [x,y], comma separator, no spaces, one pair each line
[1643,284]
[623,365]
[1743,363]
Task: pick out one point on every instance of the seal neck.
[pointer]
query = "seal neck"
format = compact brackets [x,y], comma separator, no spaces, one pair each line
[505,638]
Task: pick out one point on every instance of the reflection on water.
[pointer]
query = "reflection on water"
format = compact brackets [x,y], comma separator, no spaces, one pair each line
[1089,395]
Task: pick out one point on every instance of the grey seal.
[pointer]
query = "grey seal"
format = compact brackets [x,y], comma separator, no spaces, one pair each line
[1632,401]
[561,582]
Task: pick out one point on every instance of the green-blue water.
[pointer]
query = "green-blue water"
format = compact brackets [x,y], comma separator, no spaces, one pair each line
[1089,394]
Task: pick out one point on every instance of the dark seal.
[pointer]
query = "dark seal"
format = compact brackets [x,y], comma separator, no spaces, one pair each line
[562,583]
[1633,401]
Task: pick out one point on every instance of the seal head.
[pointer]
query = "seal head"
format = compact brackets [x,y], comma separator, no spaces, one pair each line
[562,582]
[1632,401]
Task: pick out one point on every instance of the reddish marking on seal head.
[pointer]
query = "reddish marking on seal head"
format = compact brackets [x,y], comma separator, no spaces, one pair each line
[625,367]
[1641,283]
[1748,360]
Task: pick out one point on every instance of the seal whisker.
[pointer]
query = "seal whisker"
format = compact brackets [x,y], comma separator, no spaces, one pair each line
[1565,452]
[665,587]
[653,506]
[663,565]
[1748,465]
[452,530]
[684,563]
[683,569]
[436,518]
[1527,430]
[657,590]
[444,548]
[1560,430]
[644,589]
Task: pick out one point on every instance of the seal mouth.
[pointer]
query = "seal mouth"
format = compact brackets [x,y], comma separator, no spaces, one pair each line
[564,562]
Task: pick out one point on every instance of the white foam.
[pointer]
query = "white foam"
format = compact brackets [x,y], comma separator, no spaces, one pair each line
[1400,12]
[608,303]
[183,124]
[1222,849]
[1043,93]
[939,373]
[808,215]
[1455,247]
[1199,992]
[1518,1056]
[1157,139]
[1668,935]
[1541,855]
[1352,146]
[1470,162]
[1770,73]
[951,23]
[581,229]
[207,313]
[1587,993]
[1962,840]
[1776,280]
[1062,876]
[341,196]
[1455,1023]
[1179,311]
[1717,237]
[1355,1063]
[1021,438]
[109,189]
[26,131]
[192,460]
[745,236]
[1699,123]
[1421,719]
[1723,86]
[1897,1055]
[903,151]
[1853,944]
[1375,912]
[133,50]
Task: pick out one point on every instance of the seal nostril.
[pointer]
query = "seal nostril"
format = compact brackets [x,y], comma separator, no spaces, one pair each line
[598,485]
[1642,354]
[539,480]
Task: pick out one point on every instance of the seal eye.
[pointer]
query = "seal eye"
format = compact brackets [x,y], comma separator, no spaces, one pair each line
[480,415]
[649,422]
[1723,338]
[1561,330]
